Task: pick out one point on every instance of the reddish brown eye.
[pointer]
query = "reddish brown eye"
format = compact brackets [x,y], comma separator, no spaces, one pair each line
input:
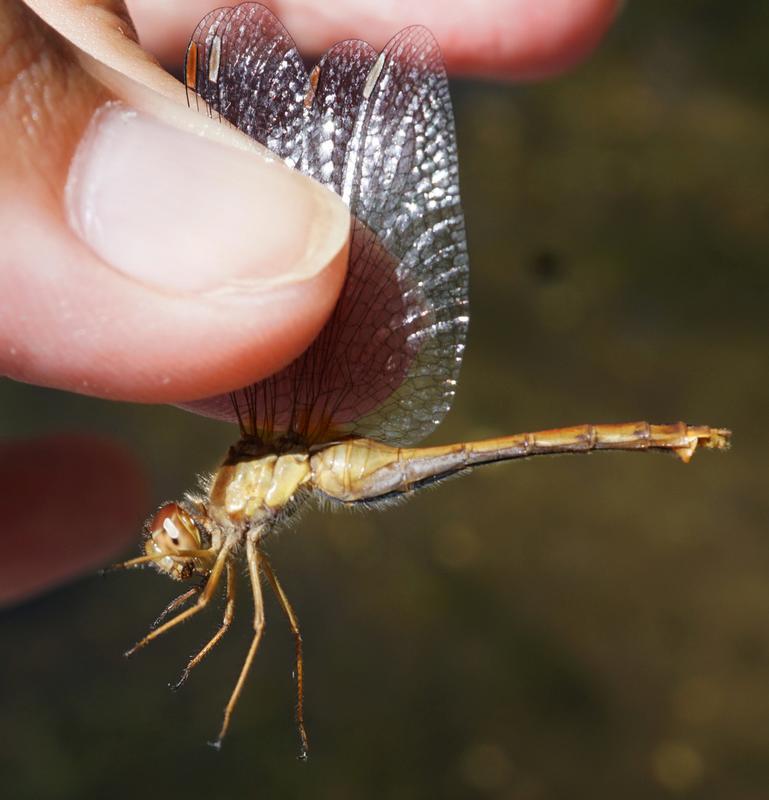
[172,528]
[168,511]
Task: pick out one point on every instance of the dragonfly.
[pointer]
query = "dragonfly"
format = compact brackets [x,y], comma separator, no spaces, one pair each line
[343,422]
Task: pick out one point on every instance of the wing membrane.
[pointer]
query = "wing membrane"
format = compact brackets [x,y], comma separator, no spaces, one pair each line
[378,130]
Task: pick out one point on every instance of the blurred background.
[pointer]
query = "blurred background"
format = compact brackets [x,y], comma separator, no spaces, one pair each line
[578,626]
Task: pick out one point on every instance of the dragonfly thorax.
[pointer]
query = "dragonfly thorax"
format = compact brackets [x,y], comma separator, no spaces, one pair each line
[247,492]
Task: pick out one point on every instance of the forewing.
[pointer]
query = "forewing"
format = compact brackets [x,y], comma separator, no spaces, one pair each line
[378,130]
[248,70]
[402,181]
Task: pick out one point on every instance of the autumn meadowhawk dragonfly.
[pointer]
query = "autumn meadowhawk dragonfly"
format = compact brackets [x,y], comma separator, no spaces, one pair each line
[341,422]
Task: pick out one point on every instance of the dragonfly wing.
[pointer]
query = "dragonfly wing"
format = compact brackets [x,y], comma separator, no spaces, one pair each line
[378,130]
[245,65]
[402,182]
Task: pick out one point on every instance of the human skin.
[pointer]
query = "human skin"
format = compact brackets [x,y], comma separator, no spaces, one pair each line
[83,306]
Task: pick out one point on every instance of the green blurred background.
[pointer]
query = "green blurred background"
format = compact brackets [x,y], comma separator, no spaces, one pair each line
[591,627]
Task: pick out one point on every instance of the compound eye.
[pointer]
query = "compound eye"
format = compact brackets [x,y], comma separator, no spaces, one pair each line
[172,529]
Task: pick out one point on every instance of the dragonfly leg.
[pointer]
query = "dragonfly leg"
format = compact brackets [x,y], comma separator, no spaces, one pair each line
[141,560]
[229,613]
[294,625]
[203,600]
[254,558]
[177,602]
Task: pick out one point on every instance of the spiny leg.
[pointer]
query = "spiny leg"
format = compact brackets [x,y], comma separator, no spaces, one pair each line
[177,602]
[294,625]
[229,613]
[203,600]
[254,558]
[141,560]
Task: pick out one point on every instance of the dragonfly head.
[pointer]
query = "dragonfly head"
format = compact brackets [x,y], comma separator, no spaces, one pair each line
[173,532]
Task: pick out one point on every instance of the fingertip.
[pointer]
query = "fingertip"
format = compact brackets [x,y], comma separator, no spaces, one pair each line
[69,504]
[514,39]
[216,272]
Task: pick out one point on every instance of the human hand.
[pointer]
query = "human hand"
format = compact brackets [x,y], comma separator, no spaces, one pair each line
[122,275]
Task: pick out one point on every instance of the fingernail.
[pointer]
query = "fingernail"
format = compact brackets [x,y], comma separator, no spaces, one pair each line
[174,210]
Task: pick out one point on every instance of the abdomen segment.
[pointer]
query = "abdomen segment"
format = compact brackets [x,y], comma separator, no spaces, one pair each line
[363,469]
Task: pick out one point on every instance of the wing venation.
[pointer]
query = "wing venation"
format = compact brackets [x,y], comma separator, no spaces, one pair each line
[377,129]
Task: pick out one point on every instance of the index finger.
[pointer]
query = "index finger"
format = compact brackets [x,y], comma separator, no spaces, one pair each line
[512,39]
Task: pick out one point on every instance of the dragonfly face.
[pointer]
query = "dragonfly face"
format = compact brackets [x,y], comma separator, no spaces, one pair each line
[342,421]
[171,533]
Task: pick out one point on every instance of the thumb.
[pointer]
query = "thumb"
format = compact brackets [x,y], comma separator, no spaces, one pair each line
[149,253]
